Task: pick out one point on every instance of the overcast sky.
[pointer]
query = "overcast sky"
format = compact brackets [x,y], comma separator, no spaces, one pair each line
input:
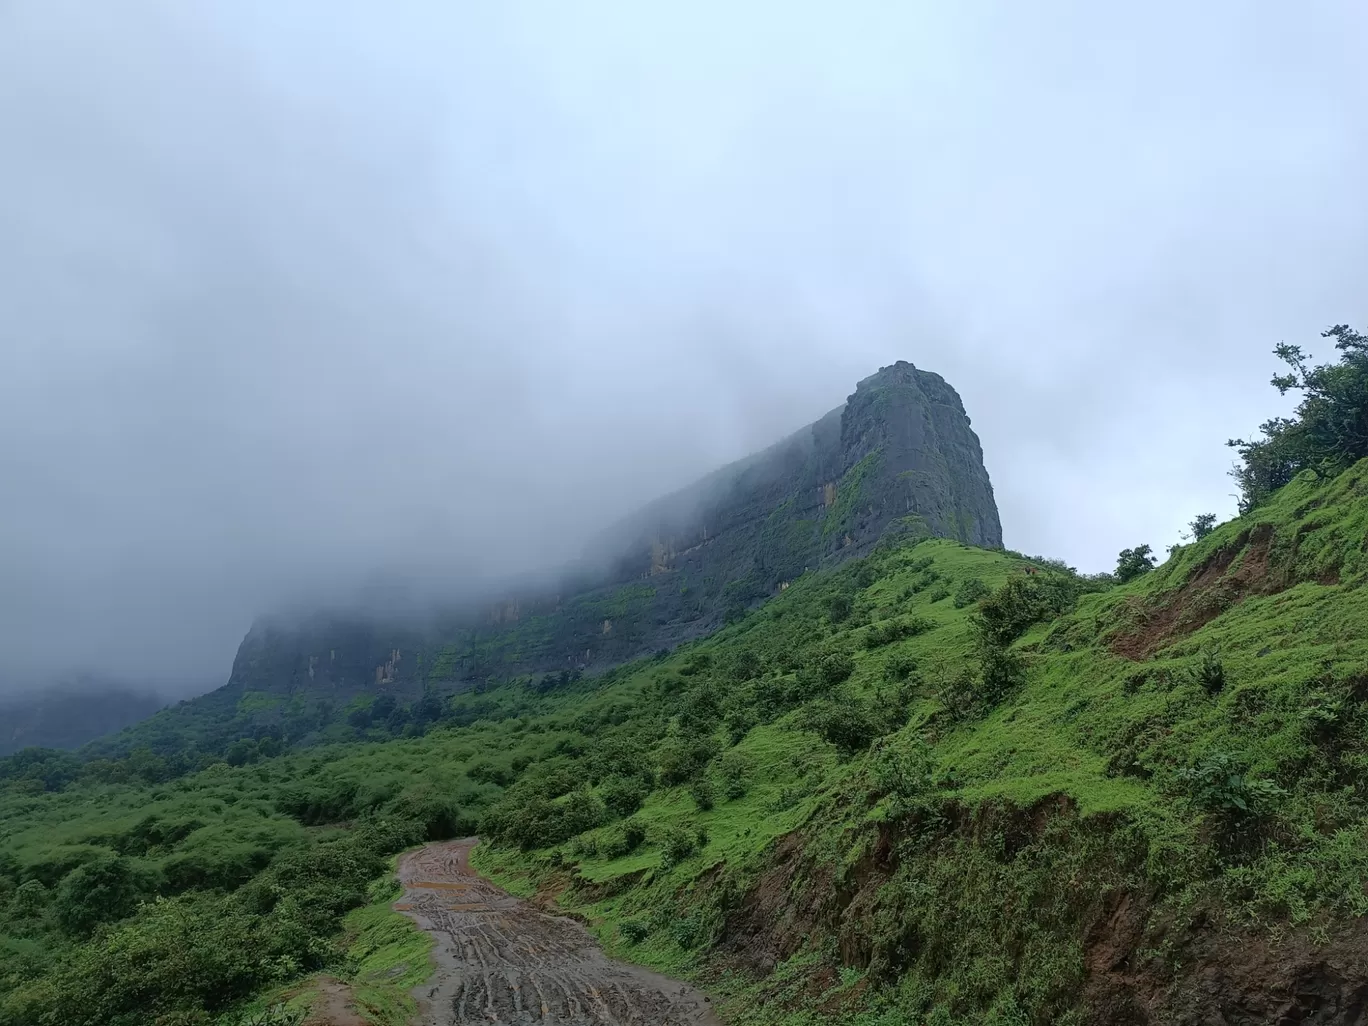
[289,291]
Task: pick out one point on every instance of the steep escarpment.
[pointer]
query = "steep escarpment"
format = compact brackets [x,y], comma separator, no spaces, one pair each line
[900,457]
[898,461]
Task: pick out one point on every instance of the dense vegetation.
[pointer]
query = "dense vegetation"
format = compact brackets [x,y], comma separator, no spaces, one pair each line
[932,785]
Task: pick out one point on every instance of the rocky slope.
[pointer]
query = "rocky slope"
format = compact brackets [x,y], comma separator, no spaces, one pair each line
[898,459]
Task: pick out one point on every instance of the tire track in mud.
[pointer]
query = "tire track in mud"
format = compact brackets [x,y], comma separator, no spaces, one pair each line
[501,961]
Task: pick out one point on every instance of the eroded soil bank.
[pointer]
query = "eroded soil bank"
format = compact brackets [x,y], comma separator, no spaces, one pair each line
[500,960]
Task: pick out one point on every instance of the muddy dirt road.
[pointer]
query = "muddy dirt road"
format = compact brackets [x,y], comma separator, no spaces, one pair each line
[499,960]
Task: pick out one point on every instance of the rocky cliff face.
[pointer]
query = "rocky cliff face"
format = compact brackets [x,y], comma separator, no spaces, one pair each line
[898,459]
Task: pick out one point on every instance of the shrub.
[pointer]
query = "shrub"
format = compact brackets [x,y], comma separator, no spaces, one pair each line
[735,770]
[623,795]
[101,891]
[899,667]
[677,845]
[838,608]
[1133,563]
[969,592]
[1202,525]
[1210,673]
[1219,785]
[835,668]
[624,840]
[902,768]
[682,758]
[847,725]
[938,594]
[276,1015]
[531,820]
[634,931]
[1001,671]
[703,793]
[1008,613]
[896,629]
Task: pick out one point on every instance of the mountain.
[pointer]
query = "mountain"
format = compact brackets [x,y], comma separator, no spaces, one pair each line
[898,461]
[937,784]
[69,714]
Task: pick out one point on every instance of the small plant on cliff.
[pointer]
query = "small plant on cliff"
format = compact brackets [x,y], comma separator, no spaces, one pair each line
[1219,785]
[1210,672]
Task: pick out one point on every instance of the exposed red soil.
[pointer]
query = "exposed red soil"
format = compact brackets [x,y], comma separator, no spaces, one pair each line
[1240,978]
[1212,588]
[501,960]
[1212,972]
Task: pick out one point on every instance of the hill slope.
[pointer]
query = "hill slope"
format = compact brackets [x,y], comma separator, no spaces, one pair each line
[883,797]
[899,459]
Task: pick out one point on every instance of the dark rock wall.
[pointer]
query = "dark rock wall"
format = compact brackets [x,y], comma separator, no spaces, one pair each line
[898,459]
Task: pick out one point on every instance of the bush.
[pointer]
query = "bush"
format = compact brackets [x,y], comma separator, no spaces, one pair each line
[889,631]
[634,931]
[1202,525]
[899,667]
[530,820]
[677,845]
[838,608]
[1218,785]
[103,890]
[835,668]
[623,795]
[938,594]
[902,768]
[624,840]
[1001,671]
[703,794]
[847,725]
[735,770]
[969,592]
[1008,613]
[276,1015]
[1210,672]
[682,758]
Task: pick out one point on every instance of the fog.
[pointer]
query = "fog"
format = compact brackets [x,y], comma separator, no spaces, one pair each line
[292,294]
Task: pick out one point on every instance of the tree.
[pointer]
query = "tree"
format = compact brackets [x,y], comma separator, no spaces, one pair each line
[1202,525]
[101,891]
[1131,563]
[1330,430]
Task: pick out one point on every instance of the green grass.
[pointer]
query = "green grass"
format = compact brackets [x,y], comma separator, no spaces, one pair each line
[961,892]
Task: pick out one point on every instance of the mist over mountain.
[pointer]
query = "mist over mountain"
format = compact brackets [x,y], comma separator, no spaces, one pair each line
[69,711]
[437,293]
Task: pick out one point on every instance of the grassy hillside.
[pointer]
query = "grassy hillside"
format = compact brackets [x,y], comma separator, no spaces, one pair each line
[940,784]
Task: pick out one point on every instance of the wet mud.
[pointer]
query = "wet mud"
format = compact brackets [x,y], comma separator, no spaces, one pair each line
[501,960]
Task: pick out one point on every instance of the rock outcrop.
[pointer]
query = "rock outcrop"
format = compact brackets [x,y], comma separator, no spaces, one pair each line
[898,459]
